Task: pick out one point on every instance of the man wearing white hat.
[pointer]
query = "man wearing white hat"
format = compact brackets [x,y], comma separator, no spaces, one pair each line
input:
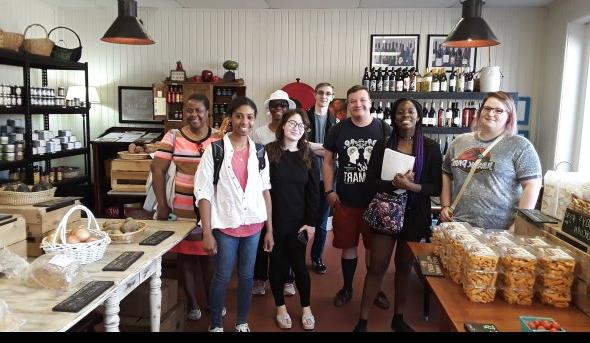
[277,104]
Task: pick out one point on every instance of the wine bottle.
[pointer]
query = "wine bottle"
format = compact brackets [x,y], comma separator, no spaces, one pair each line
[373,110]
[425,119]
[379,80]
[379,111]
[412,80]
[366,79]
[435,81]
[449,115]
[399,80]
[452,80]
[460,87]
[444,85]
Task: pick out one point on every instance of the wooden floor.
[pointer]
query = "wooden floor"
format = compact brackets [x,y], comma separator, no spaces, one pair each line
[328,317]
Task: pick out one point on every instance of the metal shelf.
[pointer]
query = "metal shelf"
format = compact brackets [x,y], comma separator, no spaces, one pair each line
[14,58]
[59,154]
[433,95]
[71,181]
[4,165]
[44,110]
[445,130]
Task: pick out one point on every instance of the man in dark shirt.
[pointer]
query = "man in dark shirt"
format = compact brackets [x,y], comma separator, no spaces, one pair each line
[321,121]
[352,140]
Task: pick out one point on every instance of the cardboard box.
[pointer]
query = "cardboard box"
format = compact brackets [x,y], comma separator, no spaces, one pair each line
[171,321]
[137,304]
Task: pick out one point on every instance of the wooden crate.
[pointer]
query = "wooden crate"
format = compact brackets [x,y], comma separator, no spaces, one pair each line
[13,232]
[130,175]
[171,321]
[38,219]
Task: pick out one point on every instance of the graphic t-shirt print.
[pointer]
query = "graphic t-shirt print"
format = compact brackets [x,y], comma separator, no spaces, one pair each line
[358,152]
[467,158]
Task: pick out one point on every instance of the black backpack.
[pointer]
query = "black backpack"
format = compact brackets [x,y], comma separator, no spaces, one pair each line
[218,152]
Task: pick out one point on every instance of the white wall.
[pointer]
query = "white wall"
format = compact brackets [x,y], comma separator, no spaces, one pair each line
[276,46]
[559,113]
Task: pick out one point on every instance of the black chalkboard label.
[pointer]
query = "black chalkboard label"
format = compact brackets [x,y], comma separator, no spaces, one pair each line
[156,238]
[56,204]
[429,265]
[577,225]
[7,221]
[480,327]
[83,297]
[123,261]
[537,216]
[4,216]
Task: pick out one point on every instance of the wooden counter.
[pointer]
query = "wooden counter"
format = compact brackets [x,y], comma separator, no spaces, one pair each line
[35,305]
[458,309]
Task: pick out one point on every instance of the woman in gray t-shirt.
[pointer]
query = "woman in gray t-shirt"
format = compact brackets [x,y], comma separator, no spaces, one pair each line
[508,177]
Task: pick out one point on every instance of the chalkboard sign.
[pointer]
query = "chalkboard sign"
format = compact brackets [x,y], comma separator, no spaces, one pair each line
[55,204]
[577,225]
[8,220]
[136,105]
[156,238]
[429,265]
[83,297]
[537,216]
[480,327]
[123,261]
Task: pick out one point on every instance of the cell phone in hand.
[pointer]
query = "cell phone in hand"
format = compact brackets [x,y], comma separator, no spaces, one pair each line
[302,237]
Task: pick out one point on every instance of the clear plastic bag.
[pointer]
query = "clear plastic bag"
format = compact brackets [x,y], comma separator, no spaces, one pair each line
[54,271]
[8,321]
[12,266]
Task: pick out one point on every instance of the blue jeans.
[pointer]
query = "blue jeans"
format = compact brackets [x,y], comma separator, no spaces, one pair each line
[321,229]
[228,250]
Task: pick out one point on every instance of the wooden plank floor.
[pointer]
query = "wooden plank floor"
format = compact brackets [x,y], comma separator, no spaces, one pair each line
[328,317]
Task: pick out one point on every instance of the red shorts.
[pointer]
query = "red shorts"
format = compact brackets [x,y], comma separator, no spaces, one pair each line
[347,225]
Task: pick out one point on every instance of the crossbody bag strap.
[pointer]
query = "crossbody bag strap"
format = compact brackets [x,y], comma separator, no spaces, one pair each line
[472,171]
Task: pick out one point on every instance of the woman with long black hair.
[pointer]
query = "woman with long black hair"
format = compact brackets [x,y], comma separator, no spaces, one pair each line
[421,183]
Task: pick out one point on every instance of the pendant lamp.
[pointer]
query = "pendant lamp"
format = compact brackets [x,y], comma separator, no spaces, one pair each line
[127,29]
[471,31]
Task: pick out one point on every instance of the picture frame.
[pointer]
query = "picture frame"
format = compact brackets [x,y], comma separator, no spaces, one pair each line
[523,108]
[447,58]
[394,51]
[524,133]
[136,105]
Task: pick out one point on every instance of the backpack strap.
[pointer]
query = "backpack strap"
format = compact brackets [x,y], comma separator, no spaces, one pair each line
[218,152]
[384,127]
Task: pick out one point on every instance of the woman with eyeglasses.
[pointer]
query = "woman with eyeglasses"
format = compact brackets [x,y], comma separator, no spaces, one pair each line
[420,183]
[294,176]
[185,147]
[508,177]
[277,104]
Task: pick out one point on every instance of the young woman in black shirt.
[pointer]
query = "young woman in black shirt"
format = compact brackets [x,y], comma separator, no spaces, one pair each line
[294,177]
[421,183]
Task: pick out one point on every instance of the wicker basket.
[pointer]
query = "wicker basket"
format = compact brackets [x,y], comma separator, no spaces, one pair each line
[10,40]
[83,252]
[25,198]
[127,237]
[66,54]
[37,46]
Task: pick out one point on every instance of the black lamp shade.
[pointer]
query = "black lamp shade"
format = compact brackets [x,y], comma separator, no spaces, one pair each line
[471,31]
[127,29]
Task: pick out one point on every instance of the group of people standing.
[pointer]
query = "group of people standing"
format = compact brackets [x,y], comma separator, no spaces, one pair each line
[261,199]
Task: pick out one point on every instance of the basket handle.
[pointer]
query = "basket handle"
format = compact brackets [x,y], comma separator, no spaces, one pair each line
[41,26]
[61,227]
[67,28]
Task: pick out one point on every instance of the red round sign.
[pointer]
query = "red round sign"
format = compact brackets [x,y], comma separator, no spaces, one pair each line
[301,93]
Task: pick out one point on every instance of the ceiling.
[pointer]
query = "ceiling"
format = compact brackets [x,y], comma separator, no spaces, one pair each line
[300,4]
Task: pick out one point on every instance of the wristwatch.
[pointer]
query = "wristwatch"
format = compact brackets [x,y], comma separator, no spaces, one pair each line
[328,192]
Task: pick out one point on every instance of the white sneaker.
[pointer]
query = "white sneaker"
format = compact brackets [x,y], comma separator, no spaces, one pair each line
[194,314]
[259,287]
[242,328]
[216,329]
[289,289]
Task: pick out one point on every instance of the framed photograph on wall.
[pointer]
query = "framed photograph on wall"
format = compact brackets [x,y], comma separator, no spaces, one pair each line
[447,57]
[136,105]
[394,51]
[523,109]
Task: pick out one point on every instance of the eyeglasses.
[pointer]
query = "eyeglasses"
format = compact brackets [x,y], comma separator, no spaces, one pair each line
[496,110]
[272,104]
[292,124]
[322,93]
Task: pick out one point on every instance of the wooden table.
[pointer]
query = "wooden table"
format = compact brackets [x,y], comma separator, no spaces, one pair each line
[34,305]
[457,309]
